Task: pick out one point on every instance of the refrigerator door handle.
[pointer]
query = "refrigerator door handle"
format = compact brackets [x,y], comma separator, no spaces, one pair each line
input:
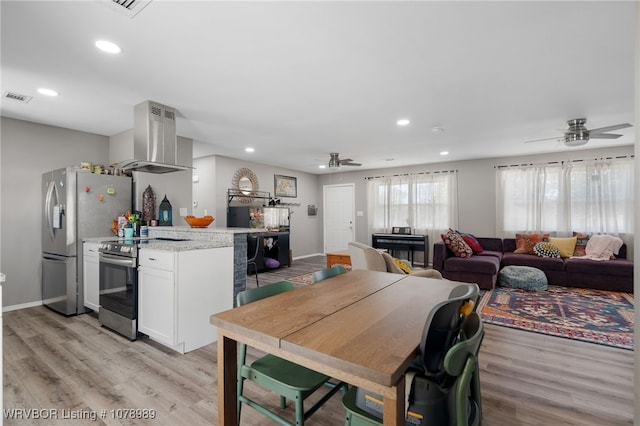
[55,258]
[47,207]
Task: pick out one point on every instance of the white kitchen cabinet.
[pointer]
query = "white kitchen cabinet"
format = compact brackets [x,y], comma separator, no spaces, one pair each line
[179,290]
[91,275]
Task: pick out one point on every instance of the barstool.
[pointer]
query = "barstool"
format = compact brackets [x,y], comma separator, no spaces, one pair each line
[252,254]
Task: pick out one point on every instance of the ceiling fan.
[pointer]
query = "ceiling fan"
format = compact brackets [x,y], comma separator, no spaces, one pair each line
[335,161]
[577,134]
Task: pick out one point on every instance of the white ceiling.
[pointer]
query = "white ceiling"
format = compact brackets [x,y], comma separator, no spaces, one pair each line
[298,80]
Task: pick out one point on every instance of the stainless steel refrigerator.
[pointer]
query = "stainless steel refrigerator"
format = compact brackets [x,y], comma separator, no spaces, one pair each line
[75,205]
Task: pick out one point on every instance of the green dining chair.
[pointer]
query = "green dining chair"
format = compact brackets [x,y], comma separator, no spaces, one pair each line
[287,379]
[461,363]
[323,274]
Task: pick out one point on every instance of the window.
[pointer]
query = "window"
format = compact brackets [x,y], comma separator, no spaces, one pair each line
[594,197]
[425,202]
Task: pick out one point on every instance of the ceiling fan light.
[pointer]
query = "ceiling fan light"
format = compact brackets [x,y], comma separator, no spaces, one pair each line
[576,139]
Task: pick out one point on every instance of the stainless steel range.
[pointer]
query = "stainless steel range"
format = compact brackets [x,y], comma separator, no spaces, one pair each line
[119,286]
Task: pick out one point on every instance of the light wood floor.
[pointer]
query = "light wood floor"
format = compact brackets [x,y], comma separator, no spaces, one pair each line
[54,362]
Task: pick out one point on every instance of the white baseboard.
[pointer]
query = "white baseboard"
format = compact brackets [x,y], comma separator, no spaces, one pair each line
[308,255]
[22,306]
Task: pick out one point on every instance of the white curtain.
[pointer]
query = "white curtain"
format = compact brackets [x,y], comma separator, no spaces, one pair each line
[602,196]
[592,197]
[428,203]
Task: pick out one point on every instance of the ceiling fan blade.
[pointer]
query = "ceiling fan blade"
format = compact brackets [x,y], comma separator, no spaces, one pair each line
[604,136]
[350,164]
[609,128]
[346,160]
[546,139]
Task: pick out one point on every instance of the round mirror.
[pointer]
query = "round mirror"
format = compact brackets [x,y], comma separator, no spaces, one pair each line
[246,183]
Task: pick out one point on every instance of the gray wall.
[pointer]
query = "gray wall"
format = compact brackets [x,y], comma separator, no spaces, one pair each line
[476,187]
[28,150]
[216,172]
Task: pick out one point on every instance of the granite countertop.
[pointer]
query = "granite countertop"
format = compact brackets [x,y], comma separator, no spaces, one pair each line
[205,230]
[182,245]
[195,238]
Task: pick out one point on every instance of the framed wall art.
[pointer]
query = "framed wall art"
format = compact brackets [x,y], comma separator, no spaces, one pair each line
[285,186]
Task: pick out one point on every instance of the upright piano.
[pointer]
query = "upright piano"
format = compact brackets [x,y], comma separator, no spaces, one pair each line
[409,243]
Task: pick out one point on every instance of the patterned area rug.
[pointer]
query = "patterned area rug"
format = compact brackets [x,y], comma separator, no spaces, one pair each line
[304,279]
[596,316]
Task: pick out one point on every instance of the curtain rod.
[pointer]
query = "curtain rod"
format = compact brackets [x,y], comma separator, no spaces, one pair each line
[564,161]
[411,174]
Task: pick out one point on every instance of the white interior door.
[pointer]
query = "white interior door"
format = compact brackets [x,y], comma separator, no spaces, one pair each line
[339,216]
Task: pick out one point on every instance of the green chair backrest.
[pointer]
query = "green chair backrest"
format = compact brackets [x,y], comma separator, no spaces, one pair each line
[328,273]
[258,293]
[473,333]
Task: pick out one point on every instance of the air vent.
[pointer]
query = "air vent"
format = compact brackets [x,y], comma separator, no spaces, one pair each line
[129,7]
[16,96]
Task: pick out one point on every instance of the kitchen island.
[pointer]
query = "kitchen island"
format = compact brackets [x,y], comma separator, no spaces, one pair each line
[222,237]
[186,274]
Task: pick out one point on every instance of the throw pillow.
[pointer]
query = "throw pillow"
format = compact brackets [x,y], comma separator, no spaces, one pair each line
[473,243]
[565,245]
[582,238]
[391,264]
[402,265]
[271,263]
[525,242]
[456,244]
[545,249]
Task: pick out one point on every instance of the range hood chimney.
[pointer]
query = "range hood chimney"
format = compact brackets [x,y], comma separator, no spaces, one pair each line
[155,145]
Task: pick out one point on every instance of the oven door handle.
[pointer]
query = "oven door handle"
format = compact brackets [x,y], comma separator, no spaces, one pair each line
[118,260]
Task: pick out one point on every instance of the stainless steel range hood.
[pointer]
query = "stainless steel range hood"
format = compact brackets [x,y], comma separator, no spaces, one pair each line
[155,142]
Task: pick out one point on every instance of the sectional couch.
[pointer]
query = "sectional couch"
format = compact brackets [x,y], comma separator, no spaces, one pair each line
[483,268]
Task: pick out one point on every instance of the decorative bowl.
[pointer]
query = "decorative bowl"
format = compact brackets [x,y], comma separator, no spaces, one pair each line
[199,222]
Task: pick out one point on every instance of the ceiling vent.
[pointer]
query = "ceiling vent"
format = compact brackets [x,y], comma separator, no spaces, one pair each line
[16,96]
[128,7]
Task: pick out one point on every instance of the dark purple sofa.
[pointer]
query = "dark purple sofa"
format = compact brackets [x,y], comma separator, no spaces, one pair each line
[483,268]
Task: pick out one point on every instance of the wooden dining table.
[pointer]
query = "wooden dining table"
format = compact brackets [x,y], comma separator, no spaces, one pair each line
[362,327]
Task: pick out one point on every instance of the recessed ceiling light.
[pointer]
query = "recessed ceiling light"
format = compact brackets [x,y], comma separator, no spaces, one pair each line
[322,166]
[437,130]
[107,46]
[47,92]
[249,149]
[444,152]
[403,122]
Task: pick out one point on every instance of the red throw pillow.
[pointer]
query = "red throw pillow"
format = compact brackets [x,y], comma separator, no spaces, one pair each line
[473,243]
[456,244]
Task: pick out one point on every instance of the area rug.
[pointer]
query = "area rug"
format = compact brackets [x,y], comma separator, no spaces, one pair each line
[305,279]
[300,280]
[596,316]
